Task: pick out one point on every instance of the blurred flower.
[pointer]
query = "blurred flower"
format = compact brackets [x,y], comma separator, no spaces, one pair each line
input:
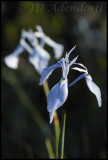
[58,94]
[39,57]
[58,48]
[91,85]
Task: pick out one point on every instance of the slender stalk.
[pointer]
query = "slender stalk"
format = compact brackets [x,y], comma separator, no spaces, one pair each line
[57,132]
[56,120]
[63,133]
[49,148]
[46,88]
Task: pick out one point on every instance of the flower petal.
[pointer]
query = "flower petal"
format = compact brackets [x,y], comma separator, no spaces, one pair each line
[94,89]
[57,96]
[26,46]
[12,59]
[47,72]
[58,51]
[82,66]
[71,50]
[73,61]
[79,69]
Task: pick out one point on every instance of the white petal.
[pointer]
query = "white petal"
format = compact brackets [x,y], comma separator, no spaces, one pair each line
[26,46]
[79,69]
[43,53]
[82,65]
[50,42]
[58,50]
[94,89]
[11,61]
[38,34]
[39,28]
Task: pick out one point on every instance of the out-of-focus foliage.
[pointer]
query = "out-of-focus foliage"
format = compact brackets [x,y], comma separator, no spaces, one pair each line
[25,120]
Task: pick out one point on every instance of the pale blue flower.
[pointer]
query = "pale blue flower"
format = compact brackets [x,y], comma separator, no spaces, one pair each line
[91,85]
[58,94]
[64,63]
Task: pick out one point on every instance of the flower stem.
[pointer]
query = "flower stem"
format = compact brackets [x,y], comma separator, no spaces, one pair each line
[46,88]
[57,132]
[63,133]
[49,149]
[56,120]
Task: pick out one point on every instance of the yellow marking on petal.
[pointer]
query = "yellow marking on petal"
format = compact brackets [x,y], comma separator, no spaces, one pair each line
[89,77]
[62,82]
[37,46]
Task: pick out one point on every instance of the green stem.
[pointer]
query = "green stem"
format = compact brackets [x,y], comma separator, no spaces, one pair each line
[57,132]
[46,88]
[56,120]
[49,149]
[63,133]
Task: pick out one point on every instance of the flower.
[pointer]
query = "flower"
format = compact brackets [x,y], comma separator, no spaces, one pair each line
[48,71]
[58,48]
[38,56]
[91,85]
[58,94]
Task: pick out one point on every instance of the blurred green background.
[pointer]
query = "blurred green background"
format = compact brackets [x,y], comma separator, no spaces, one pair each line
[25,120]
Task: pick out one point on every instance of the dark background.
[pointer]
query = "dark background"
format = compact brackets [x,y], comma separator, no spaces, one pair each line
[22,97]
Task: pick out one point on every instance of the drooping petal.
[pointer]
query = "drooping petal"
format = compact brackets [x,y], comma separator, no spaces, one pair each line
[94,89]
[47,72]
[12,59]
[57,96]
